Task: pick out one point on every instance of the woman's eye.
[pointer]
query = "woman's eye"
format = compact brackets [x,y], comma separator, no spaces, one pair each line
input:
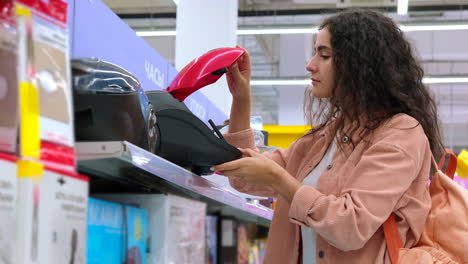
[324,56]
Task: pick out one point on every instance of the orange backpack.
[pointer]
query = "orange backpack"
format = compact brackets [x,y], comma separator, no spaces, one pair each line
[445,236]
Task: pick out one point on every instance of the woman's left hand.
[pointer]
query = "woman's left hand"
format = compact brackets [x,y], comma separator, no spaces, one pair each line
[253,168]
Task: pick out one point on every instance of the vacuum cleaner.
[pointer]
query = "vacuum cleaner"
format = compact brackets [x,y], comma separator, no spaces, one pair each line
[183,138]
[110,105]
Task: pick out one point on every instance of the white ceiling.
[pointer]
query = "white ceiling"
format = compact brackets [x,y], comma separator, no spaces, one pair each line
[441,53]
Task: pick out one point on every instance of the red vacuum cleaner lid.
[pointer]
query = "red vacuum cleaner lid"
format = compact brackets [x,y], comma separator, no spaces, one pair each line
[204,70]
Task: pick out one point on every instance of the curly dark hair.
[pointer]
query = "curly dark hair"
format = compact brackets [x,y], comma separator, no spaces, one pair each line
[376,77]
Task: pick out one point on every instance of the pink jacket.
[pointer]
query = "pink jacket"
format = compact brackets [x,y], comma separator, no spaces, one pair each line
[386,172]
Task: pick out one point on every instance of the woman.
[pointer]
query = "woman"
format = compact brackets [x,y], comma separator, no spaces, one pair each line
[369,156]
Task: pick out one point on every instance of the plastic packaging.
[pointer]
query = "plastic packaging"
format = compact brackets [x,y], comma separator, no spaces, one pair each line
[46,121]
[8,78]
[256,123]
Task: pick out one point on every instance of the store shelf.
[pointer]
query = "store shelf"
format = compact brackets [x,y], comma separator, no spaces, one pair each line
[126,164]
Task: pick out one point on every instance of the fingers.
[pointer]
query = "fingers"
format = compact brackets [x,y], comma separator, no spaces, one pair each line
[232,173]
[232,165]
[229,72]
[244,62]
[234,71]
[240,47]
[237,172]
[250,153]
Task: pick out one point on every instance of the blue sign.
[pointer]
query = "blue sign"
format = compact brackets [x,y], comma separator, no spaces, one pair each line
[99,32]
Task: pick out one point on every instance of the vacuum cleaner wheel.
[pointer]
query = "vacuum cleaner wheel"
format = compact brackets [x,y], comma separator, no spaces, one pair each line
[153,131]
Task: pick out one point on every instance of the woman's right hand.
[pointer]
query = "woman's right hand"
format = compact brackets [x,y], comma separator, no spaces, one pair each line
[238,77]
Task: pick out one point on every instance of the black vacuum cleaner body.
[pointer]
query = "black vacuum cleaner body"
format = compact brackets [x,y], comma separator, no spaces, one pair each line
[183,138]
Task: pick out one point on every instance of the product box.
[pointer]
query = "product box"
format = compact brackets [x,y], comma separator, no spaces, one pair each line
[227,248]
[243,244]
[211,239]
[112,228]
[45,96]
[48,53]
[177,226]
[52,208]
[51,61]
[8,171]
[257,251]
[8,78]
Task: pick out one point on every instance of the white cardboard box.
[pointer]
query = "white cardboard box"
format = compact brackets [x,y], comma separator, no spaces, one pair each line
[8,172]
[176,226]
[55,94]
[8,88]
[52,219]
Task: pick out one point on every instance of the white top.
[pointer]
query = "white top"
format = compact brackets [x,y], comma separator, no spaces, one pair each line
[309,237]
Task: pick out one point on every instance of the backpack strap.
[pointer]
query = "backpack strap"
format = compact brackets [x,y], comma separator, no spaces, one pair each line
[392,238]
[448,165]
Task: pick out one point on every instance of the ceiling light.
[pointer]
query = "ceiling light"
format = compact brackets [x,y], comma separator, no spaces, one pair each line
[402,7]
[156,33]
[279,82]
[308,30]
[429,80]
[305,82]
[434,27]
[277,31]
[251,31]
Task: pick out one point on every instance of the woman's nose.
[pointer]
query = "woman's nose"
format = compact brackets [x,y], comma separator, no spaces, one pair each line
[311,66]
